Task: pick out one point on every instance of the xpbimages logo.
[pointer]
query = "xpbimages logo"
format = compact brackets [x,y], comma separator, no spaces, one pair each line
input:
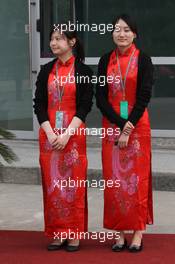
[101,28]
[101,132]
[101,236]
[102,79]
[101,184]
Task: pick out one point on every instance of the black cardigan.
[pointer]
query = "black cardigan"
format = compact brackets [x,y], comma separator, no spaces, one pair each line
[143,94]
[84,92]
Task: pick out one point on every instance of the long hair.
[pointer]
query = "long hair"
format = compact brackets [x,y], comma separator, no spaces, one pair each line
[71,33]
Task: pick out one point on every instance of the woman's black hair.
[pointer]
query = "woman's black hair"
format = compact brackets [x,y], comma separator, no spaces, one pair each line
[71,33]
[129,21]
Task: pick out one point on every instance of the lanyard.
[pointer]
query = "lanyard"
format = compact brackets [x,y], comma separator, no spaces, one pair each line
[61,91]
[123,82]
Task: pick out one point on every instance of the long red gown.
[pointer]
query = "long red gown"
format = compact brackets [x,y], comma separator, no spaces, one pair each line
[128,207]
[65,210]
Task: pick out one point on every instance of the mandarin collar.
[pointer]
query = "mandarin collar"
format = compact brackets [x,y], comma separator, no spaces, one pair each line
[68,62]
[127,52]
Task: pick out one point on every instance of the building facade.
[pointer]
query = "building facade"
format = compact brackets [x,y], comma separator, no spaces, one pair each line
[25,27]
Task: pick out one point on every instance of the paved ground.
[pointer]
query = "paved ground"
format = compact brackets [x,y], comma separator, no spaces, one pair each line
[21,209]
[21,204]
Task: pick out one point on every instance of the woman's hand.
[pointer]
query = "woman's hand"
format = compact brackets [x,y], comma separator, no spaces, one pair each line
[128,128]
[57,141]
[51,138]
[61,141]
[123,140]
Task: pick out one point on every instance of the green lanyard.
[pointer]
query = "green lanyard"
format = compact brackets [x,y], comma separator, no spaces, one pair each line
[123,82]
[61,91]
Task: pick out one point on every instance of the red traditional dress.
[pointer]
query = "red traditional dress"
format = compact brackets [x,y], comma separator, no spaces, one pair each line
[65,209]
[128,207]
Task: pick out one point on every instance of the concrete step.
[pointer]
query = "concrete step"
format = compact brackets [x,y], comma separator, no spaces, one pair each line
[26,170]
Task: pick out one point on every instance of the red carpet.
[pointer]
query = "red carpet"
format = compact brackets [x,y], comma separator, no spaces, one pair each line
[28,247]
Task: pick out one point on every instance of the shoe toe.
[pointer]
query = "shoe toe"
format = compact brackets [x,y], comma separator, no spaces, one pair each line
[136,248]
[119,247]
[53,247]
[72,248]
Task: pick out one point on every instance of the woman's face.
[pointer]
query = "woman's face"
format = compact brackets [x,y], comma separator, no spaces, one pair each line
[122,35]
[59,44]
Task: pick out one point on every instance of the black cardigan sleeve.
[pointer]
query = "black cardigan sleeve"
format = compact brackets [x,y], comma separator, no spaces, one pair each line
[144,88]
[102,96]
[85,92]
[40,100]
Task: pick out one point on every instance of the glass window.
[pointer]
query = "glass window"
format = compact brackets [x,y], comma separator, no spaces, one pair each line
[52,12]
[155,21]
[161,108]
[156,29]
[15,89]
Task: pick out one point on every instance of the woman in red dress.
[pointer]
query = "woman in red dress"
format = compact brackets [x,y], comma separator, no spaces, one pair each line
[61,106]
[126,157]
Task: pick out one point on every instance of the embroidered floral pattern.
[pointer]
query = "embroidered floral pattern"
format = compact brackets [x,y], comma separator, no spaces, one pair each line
[52,91]
[115,85]
[134,64]
[123,170]
[130,184]
[71,157]
[136,145]
[61,169]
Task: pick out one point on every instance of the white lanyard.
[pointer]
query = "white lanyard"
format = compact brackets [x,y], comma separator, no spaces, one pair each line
[123,82]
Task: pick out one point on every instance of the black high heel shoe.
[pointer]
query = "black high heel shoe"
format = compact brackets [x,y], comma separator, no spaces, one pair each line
[135,248]
[52,247]
[71,248]
[119,247]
